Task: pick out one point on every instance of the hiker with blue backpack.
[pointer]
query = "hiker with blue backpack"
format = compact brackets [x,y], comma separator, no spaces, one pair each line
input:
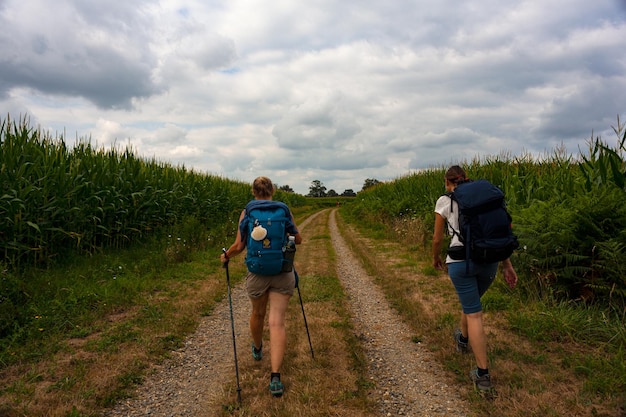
[264,228]
[481,239]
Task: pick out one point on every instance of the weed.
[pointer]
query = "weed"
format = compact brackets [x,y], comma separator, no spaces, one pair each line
[430,271]
[496,301]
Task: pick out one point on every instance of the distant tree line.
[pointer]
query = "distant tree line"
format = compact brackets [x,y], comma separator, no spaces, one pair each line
[317,189]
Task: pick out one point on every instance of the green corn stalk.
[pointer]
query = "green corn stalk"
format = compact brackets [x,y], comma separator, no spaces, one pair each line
[56,198]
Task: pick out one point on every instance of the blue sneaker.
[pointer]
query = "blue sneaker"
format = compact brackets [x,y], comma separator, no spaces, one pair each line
[276,388]
[257,354]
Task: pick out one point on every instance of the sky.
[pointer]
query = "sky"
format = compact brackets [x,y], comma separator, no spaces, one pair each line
[335,91]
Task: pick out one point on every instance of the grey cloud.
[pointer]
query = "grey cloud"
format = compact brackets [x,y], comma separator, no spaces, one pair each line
[451,145]
[455,137]
[320,90]
[314,133]
[102,77]
[325,123]
[90,55]
[169,134]
[242,161]
[216,52]
[195,43]
[596,100]
[349,161]
[324,159]
[132,18]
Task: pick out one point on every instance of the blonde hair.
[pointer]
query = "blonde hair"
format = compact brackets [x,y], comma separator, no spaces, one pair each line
[455,174]
[262,187]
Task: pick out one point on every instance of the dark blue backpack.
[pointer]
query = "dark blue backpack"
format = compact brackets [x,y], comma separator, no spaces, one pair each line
[484,223]
[265,245]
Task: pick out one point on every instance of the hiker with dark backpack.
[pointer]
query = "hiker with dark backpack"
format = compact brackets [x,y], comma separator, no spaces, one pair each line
[264,228]
[481,239]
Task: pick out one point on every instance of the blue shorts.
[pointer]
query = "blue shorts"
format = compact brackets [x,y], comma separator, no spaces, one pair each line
[471,286]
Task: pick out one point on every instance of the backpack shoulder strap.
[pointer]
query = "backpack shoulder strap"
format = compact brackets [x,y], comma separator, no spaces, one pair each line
[450,194]
[263,205]
[479,195]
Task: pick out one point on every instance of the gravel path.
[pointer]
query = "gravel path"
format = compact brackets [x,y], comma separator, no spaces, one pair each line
[188,384]
[408,381]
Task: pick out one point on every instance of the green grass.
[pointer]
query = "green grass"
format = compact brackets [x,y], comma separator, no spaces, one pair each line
[563,321]
[599,334]
[323,288]
[67,302]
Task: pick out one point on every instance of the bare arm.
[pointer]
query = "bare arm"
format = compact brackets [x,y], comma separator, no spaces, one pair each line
[510,276]
[237,247]
[440,224]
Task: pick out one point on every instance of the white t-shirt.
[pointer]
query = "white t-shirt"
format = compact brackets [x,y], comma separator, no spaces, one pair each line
[449,210]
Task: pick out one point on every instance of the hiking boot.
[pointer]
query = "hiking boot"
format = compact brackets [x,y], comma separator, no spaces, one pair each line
[481,383]
[460,345]
[257,354]
[276,388]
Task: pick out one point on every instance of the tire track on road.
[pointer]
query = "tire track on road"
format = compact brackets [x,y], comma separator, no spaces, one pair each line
[409,381]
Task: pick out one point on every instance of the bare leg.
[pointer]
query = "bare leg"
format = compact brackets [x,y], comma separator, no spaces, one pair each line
[278,338]
[257,318]
[477,338]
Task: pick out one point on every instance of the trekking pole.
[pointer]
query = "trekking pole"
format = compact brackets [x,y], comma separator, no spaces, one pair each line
[232,326]
[303,315]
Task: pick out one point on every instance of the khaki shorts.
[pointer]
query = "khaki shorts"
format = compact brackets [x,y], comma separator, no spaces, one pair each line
[258,285]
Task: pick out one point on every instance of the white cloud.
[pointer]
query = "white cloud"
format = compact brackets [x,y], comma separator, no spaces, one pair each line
[330,91]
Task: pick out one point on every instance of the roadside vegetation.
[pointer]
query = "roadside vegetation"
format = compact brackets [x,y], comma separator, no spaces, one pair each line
[109,261]
[569,311]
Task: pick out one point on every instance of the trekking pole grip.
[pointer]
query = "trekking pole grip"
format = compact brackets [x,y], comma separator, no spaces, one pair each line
[225,264]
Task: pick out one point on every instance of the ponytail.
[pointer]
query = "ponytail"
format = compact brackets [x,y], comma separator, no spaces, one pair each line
[456,175]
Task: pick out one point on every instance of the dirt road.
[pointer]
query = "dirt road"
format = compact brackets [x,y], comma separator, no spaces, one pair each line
[199,380]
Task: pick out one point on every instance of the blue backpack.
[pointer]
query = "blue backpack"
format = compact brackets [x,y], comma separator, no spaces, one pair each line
[264,228]
[484,223]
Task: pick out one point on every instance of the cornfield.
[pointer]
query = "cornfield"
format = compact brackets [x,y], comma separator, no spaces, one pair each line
[57,198]
[569,212]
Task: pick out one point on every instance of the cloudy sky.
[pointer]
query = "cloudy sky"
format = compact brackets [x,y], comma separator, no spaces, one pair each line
[337,91]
